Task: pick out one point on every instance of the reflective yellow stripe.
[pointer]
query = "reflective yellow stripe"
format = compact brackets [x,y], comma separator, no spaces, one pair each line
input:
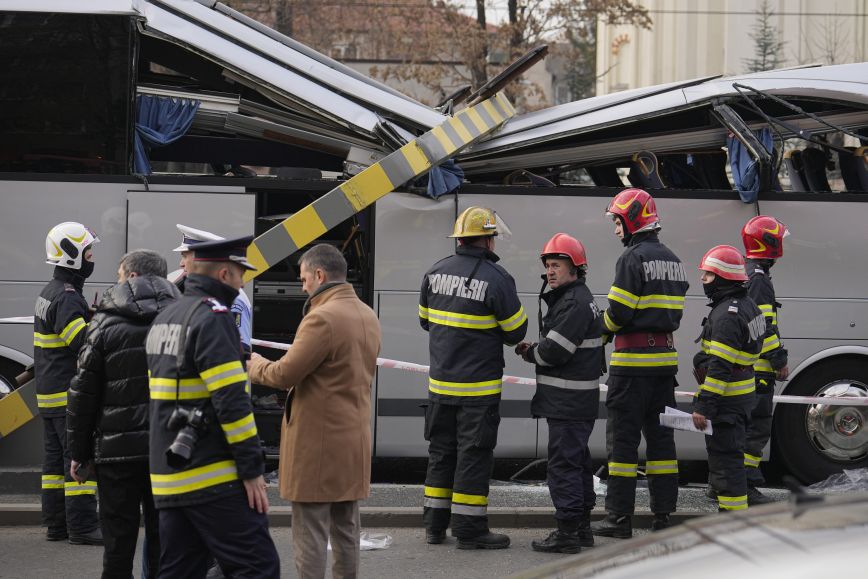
[438,493]
[423,312]
[751,460]
[770,343]
[728,353]
[514,321]
[48,341]
[646,360]
[623,469]
[728,388]
[72,329]
[622,296]
[610,325]
[194,479]
[51,400]
[191,389]
[456,320]
[478,500]
[653,467]
[52,481]
[240,429]
[661,301]
[224,375]
[72,489]
[763,365]
[732,503]
[465,388]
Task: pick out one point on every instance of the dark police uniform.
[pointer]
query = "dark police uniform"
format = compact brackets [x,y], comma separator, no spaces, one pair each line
[470,308]
[732,338]
[203,505]
[646,303]
[569,359]
[58,334]
[773,357]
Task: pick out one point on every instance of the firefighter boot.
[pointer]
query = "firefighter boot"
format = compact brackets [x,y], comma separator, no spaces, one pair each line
[755,497]
[563,540]
[660,522]
[586,537]
[487,540]
[435,537]
[92,538]
[614,525]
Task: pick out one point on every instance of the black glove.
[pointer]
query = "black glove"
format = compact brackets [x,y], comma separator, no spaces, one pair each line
[699,374]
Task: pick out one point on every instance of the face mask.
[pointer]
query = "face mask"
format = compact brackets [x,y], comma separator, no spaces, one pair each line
[86,268]
[710,288]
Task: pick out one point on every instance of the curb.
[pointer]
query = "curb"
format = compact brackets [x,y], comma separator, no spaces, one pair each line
[30,514]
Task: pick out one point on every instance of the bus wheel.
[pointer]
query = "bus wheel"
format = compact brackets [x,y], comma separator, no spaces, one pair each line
[815,441]
[8,371]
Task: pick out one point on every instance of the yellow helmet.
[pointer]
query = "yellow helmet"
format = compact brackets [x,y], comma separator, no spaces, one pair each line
[476,222]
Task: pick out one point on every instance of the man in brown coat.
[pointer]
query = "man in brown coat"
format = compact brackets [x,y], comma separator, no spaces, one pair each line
[325,450]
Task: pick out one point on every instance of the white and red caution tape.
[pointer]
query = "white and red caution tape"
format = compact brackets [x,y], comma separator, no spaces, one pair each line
[421,369]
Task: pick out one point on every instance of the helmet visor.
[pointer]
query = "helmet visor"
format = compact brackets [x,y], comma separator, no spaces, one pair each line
[503,229]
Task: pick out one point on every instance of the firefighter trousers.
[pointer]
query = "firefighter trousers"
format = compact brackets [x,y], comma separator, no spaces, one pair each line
[460,461]
[759,429]
[725,449]
[67,506]
[570,476]
[633,406]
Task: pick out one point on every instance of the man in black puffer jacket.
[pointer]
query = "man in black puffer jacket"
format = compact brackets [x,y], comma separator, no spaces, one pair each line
[107,412]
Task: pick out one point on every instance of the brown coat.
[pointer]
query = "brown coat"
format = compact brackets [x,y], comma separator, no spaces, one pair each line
[325,446]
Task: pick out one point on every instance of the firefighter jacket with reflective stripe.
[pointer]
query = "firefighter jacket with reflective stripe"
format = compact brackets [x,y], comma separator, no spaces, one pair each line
[212,379]
[773,355]
[569,355]
[58,334]
[646,297]
[469,306]
[731,339]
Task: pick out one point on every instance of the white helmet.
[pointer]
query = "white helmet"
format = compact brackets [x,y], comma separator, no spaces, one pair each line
[66,242]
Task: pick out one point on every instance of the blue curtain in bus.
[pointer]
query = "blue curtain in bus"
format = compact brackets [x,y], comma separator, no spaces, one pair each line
[745,169]
[444,179]
[159,121]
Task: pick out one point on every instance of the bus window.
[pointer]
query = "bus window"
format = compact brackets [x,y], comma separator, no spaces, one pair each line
[53,118]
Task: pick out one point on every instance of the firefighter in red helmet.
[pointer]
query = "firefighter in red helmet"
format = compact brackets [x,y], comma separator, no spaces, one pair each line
[763,238]
[732,337]
[646,302]
[568,359]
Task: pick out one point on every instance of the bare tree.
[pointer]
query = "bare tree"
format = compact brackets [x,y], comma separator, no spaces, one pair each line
[827,41]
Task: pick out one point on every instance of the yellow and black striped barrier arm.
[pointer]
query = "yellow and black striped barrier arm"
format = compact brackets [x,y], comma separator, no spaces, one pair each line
[18,408]
[408,162]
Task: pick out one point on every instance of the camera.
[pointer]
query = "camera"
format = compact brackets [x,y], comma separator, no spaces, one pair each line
[190,423]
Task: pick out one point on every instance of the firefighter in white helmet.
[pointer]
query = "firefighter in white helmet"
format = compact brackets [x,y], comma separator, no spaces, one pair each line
[68,508]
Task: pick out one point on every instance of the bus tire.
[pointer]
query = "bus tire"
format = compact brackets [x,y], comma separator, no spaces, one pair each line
[812,442]
[8,371]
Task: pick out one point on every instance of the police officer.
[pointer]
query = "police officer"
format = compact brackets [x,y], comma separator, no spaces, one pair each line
[241,308]
[470,308]
[763,238]
[646,302]
[568,359]
[206,459]
[68,508]
[732,337]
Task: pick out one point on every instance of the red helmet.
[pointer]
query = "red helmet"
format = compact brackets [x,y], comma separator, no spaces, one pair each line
[636,209]
[563,245]
[763,237]
[725,261]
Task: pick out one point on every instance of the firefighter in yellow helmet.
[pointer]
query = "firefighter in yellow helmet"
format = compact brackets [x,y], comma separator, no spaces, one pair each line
[469,306]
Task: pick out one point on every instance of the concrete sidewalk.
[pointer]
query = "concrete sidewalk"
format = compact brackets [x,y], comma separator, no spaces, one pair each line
[510,506]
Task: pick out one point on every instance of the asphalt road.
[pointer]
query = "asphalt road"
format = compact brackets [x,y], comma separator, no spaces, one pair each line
[25,554]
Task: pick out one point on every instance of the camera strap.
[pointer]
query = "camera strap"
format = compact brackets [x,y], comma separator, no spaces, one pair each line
[182,347]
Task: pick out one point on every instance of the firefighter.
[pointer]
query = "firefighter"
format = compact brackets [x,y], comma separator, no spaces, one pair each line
[569,360]
[732,337]
[241,308]
[763,238]
[68,508]
[646,302]
[206,460]
[470,308]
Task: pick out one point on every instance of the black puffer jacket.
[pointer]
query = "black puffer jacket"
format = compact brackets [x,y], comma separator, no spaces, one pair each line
[107,412]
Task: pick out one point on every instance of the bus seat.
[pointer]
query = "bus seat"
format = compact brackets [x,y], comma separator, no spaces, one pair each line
[860,157]
[849,163]
[793,161]
[605,176]
[711,167]
[527,179]
[644,171]
[814,168]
